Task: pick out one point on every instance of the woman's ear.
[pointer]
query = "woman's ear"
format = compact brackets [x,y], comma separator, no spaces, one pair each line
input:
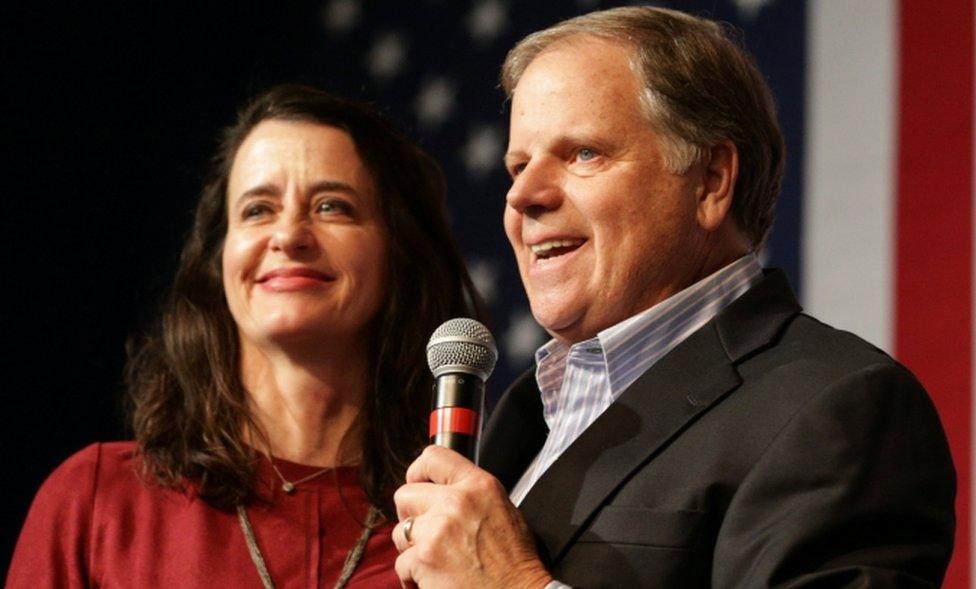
[720,169]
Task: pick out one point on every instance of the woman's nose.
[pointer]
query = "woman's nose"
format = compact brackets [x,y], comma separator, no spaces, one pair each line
[535,190]
[292,235]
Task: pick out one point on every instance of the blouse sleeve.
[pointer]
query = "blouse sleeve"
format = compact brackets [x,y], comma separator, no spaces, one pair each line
[54,545]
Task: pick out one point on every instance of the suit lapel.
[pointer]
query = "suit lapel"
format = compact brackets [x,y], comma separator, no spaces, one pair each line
[515,433]
[649,413]
[659,406]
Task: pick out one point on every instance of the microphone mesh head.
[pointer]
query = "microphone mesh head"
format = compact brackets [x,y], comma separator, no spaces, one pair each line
[462,345]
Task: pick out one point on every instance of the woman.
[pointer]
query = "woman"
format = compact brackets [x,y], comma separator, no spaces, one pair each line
[284,392]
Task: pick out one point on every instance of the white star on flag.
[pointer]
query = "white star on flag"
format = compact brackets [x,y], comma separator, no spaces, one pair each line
[387,56]
[340,16]
[522,338]
[484,273]
[436,101]
[483,150]
[487,20]
[749,9]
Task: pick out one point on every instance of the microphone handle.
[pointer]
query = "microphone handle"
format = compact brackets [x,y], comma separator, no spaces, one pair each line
[456,415]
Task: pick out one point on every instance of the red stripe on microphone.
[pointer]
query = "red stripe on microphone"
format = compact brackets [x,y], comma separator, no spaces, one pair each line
[934,283]
[455,420]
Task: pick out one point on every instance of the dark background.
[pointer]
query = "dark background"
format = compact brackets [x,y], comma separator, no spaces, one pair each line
[111,113]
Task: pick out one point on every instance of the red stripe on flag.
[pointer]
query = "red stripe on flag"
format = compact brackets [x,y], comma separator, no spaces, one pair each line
[933,284]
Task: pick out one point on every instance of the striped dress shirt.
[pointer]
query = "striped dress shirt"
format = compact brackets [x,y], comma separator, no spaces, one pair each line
[579,382]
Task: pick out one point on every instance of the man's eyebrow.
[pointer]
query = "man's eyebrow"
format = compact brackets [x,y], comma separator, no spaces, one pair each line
[512,155]
[563,141]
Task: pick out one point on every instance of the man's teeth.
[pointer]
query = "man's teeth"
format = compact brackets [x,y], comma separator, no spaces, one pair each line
[546,246]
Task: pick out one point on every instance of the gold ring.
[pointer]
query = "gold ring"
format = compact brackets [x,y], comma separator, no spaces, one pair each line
[407,528]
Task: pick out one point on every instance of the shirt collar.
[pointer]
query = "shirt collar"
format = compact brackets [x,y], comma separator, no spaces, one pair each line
[650,333]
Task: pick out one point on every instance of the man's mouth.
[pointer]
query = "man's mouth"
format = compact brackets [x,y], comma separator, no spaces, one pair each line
[555,247]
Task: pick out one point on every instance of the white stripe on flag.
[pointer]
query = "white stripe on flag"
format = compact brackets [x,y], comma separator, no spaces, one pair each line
[848,195]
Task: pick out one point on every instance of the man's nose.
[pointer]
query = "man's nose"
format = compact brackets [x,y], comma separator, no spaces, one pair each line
[536,189]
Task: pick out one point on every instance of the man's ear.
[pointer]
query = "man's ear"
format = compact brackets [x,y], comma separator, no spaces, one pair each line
[720,169]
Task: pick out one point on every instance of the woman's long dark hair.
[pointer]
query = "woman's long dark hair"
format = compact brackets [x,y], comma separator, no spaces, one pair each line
[188,404]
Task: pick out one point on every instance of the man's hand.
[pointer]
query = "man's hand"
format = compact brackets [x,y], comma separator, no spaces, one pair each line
[464,532]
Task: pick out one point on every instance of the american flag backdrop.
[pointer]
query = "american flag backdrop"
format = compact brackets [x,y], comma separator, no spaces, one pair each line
[874,226]
[434,67]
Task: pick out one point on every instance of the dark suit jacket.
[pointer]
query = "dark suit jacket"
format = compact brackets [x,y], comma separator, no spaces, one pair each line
[767,449]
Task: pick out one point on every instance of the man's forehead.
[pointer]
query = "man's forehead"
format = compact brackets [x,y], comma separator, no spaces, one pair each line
[577,88]
[588,64]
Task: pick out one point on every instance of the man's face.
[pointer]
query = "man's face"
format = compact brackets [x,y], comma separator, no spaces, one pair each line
[600,228]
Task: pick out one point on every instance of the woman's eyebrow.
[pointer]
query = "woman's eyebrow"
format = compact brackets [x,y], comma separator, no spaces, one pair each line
[333,186]
[260,190]
[266,190]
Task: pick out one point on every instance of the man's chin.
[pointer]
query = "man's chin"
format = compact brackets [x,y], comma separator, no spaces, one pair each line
[562,324]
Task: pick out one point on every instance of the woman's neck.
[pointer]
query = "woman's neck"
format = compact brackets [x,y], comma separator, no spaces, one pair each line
[307,410]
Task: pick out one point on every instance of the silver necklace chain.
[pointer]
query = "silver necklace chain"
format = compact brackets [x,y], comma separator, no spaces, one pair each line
[289,486]
[348,567]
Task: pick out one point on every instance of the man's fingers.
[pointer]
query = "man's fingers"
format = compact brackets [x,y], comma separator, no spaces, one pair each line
[401,531]
[439,465]
[416,498]
[458,528]
[404,570]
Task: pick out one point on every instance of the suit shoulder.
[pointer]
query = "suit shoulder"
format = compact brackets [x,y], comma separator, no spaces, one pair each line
[808,325]
[812,359]
[812,341]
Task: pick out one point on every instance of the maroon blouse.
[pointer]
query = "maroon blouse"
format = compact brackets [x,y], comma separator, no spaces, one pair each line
[95,523]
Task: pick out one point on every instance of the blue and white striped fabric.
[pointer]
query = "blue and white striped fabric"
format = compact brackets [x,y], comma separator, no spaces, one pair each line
[578,383]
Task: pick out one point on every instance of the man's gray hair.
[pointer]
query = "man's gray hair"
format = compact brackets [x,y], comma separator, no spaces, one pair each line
[699,87]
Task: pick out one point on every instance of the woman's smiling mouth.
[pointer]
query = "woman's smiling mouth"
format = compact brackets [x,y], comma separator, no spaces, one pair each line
[288,279]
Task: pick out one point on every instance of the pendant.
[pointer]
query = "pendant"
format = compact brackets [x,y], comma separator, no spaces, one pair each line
[288,487]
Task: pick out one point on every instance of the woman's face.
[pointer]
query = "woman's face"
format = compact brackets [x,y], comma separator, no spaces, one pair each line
[304,260]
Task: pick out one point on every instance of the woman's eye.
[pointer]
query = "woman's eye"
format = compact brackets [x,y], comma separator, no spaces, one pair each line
[254,210]
[333,207]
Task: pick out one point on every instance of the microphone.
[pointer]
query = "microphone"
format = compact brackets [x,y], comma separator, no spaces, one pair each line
[461,354]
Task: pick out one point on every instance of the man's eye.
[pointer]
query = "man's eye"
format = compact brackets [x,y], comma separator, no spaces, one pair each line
[515,170]
[585,154]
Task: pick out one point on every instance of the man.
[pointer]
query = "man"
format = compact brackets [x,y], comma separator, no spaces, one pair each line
[687,425]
